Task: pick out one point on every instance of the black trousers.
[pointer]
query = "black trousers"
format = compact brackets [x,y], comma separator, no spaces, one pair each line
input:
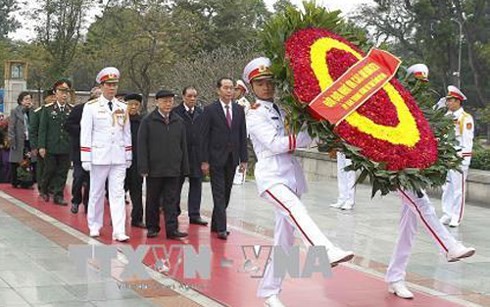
[221,183]
[193,197]
[134,183]
[81,178]
[166,186]
[55,172]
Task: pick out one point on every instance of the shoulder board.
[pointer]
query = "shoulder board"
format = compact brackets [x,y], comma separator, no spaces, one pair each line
[49,104]
[71,105]
[91,101]
[38,109]
[255,106]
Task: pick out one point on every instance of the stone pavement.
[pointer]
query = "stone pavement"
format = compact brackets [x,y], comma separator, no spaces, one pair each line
[370,230]
[35,269]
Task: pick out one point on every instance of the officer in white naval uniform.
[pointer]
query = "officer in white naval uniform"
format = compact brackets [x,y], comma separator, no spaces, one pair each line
[346,181]
[105,145]
[453,196]
[418,206]
[279,176]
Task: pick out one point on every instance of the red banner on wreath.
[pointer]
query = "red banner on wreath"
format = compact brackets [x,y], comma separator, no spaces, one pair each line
[355,86]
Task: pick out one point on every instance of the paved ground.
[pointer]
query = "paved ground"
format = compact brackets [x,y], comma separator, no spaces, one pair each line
[35,269]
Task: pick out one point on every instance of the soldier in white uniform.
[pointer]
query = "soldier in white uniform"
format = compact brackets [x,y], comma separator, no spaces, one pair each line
[279,176]
[346,181]
[453,196]
[105,145]
[418,206]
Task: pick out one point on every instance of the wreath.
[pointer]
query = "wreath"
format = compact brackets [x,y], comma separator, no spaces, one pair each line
[393,139]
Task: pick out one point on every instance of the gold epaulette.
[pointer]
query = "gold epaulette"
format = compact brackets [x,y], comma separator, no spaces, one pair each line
[38,109]
[92,101]
[49,104]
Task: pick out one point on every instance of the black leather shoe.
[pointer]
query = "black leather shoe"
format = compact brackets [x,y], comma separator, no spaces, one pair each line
[74,208]
[138,225]
[198,221]
[60,201]
[176,235]
[223,235]
[45,197]
[152,234]
[227,232]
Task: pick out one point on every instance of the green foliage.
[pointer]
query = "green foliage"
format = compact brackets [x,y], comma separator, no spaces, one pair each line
[481,159]
[221,22]
[273,38]
[137,40]
[429,32]
[8,23]
[58,28]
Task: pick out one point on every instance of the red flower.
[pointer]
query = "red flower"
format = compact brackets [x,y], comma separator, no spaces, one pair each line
[378,108]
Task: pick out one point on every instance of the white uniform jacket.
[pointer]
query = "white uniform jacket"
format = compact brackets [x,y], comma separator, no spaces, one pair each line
[274,148]
[464,128]
[105,135]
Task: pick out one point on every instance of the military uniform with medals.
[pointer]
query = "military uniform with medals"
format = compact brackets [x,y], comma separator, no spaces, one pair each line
[55,140]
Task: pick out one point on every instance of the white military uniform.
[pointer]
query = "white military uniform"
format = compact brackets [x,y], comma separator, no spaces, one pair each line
[280,181]
[453,196]
[105,142]
[414,208]
[240,176]
[346,183]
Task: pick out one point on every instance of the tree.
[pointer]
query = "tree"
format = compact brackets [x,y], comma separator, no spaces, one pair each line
[58,28]
[225,22]
[280,5]
[8,22]
[428,31]
[206,68]
[136,40]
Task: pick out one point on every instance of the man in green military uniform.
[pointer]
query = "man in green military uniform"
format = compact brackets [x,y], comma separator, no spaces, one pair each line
[34,120]
[54,142]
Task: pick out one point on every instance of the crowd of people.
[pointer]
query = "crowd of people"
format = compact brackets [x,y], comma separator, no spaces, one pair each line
[114,149]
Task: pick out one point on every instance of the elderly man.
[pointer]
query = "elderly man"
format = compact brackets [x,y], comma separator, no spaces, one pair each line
[105,145]
[162,159]
[134,181]
[453,196]
[191,114]
[280,179]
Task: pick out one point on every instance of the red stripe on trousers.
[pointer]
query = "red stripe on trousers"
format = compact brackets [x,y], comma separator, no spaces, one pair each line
[291,215]
[461,209]
[425,222]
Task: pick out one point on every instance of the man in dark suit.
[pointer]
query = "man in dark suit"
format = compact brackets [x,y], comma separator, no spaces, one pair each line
[162,159]
[223,147]
[191,114]
[81,178]
[134,181]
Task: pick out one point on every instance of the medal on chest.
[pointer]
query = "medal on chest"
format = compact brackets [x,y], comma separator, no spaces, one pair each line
[119,117]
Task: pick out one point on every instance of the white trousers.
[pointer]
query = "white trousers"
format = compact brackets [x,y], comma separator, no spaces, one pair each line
[291,214]
[413,209]
[345,180]
[453,195]
[95,215]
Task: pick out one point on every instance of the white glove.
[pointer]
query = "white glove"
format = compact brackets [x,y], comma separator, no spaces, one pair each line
[128,163]
[87,166]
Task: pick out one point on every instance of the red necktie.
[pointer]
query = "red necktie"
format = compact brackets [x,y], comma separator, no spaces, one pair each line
[228,116]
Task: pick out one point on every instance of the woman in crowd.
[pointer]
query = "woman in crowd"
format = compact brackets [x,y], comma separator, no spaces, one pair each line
[18,135]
